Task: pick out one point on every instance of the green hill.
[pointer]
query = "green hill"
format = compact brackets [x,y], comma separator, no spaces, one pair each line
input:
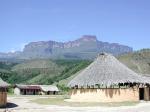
[45,71]
[36,71]
[5,70]
[41,71]
[138,61]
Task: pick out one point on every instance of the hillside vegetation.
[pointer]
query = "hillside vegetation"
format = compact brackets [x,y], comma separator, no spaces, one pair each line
[138,61]
[45,71]
[41,71]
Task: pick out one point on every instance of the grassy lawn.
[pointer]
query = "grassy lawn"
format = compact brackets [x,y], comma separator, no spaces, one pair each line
[59,100]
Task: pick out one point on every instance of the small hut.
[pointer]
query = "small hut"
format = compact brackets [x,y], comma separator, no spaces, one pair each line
[3,93]
[27,89]
[107,80]
[49,89]
[35,89]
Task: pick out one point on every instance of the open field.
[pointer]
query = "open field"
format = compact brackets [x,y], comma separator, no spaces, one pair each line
[62,101]
[57,104]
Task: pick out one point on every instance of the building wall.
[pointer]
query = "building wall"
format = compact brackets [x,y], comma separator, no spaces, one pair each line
[49,93]
[17,91]
[146,94]
[105,95]
[3,99]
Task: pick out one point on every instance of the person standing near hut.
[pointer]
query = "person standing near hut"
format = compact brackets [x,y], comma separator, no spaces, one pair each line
[3,93]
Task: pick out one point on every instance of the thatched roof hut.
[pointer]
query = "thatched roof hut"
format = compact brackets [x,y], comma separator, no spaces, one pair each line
[3,84]
[35,89]
[3,93]
[108,80]
[106,70]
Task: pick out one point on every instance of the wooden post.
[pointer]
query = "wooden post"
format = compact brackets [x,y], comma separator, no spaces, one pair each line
[3,97]
[146,94]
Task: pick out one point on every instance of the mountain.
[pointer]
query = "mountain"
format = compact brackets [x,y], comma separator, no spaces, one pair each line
[86,47]
[10,55]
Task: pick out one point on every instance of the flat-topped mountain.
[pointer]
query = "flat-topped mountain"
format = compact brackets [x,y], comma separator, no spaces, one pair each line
[86,47]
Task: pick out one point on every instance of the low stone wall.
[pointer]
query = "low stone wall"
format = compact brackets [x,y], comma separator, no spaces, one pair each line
[105,95]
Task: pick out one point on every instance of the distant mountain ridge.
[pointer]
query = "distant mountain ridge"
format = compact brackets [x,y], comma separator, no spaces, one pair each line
[86,47]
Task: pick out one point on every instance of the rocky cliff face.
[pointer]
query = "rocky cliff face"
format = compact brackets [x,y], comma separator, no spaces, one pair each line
[85,47]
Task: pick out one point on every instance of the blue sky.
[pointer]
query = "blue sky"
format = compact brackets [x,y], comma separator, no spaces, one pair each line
[120,21]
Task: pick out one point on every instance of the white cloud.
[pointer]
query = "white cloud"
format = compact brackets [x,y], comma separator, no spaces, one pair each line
[18,47]
[22,46]
[12,51]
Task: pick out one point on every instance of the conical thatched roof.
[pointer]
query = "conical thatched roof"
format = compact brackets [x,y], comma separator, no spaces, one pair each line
[106,70]
[3,84]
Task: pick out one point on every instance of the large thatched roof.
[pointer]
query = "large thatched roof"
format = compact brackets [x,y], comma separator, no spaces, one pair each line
[106,70]
[3,84]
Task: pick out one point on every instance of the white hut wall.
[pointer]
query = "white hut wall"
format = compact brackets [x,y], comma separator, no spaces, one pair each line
[51,92]
[29,91]
[146,94]
[17,91]
[105,95]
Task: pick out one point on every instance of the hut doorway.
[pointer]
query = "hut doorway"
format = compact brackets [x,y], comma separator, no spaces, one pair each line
[25,92]
[34,92]
[141,93]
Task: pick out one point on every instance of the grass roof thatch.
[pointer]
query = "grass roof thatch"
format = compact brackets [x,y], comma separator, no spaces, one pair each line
[47,88]
[44,88]
[106,70]
[3,84]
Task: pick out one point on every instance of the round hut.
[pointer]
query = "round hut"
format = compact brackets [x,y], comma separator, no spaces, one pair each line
[106,80]
[3,93]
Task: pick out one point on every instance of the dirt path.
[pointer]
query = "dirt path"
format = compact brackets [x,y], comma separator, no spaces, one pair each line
[23,104]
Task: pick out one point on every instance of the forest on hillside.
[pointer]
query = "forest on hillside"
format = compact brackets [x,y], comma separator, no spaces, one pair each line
[40,71]
[47,71]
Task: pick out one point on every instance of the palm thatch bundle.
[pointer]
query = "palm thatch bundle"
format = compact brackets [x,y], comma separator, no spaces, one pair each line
[3,84]
[107,70]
